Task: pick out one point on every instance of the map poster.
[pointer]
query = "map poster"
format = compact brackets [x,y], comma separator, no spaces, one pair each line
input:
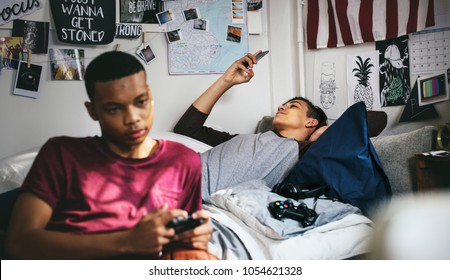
[206,50]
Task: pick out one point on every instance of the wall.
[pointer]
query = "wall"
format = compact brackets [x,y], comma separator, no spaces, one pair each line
[26,122]
[442,13]
[59,110]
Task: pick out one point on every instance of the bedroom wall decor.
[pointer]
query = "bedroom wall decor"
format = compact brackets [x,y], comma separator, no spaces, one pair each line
[84,21]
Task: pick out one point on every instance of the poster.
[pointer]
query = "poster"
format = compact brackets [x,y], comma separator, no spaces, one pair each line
[84,22]
[363,80]
[34,34]
[140,11]
[329,84]
[394,71]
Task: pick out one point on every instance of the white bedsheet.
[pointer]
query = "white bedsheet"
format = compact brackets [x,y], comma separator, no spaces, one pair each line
[341,239]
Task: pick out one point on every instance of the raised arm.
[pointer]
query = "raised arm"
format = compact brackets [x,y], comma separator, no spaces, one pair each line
[237,73]
[192,122]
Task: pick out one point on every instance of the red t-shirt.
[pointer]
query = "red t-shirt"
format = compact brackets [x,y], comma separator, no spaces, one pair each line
[91,189]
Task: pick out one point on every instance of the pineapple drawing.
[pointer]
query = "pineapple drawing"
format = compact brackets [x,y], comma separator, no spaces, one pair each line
[363,90]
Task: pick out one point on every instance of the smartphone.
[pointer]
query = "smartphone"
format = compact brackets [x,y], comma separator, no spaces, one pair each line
[261,55]
[258,57]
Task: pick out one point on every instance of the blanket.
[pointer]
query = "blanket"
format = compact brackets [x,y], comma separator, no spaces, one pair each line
[239,174]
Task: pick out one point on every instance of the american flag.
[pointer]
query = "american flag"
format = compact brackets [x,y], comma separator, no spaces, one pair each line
[337,23]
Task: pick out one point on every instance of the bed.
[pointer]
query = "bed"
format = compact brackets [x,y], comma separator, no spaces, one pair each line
[238,231]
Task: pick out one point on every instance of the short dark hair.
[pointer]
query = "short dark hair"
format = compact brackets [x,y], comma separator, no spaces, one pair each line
[110,66]
[314,111]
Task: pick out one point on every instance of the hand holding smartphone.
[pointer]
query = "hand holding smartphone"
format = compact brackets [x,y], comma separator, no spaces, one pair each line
[258,57]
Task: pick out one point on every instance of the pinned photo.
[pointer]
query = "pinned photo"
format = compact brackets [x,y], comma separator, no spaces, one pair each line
[173,36]
[28,80]
[201,24]
[146,53]
[67,64]
[234,34]
[190,14]
[164,17]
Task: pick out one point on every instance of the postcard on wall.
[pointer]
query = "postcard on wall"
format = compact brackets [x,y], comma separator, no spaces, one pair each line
[329,84]
[28,80]
[363,80]
[11,51]
[67,64]
[34,33]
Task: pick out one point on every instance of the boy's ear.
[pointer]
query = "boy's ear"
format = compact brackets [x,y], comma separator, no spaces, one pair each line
[90,108]
[312,123]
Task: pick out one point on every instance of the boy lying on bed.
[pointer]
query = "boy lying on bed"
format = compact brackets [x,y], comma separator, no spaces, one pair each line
[296,124]
[109,196]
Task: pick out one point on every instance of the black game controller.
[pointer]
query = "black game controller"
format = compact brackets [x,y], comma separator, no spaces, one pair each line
[181,224]
[280,209]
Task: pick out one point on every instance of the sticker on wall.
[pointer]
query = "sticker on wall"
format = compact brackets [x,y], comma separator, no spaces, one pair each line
[85,21]
[15,9]
[128,31]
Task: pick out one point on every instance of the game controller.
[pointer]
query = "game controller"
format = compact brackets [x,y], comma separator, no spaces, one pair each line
[280,209]
[181,224]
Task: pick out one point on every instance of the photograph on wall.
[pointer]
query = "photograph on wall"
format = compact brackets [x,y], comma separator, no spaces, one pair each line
[67,64]
[164,17]
[140,11]
[394,71]
[174,36]
[27,80]
[146,53]
[363,80]
[191,14]
[329,84]
[201,24]
[254,5]
[34,34]
[11,50]
[234,34]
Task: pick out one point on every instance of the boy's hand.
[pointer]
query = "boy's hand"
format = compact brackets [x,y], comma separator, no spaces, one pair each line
[151,234]
[199,236]
[241,70]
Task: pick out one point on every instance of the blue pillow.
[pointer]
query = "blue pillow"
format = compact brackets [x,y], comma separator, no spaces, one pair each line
[344,159]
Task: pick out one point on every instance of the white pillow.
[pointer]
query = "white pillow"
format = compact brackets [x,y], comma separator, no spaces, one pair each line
[195,145]
[14,168]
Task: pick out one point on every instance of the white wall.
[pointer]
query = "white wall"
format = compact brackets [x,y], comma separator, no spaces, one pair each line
[26,122]
[442,13]
[59,110]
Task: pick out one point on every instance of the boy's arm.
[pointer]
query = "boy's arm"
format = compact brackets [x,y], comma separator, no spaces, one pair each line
[237,73]
[191,123]
[28,237]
